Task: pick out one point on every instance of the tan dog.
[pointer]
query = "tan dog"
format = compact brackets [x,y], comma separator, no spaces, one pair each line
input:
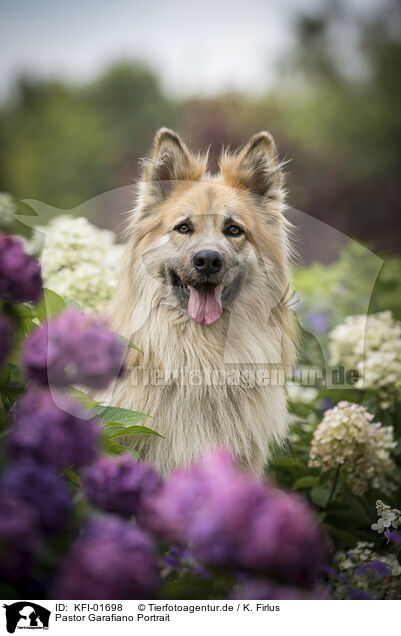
[203,293]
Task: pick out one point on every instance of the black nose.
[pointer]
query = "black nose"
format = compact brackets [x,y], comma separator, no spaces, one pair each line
[208,262]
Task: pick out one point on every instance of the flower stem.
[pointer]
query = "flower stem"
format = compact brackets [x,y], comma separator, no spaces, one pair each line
[333,487]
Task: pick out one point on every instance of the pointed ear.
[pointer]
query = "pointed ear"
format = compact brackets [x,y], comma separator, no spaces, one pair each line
[171,161]
[255,167]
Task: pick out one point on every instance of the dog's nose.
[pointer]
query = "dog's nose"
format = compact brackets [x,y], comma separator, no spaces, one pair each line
[208,262]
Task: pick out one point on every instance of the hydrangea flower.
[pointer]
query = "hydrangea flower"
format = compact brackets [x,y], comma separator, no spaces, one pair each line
[41,487]
[20,276]
[53,429]
[253,589]
[6,338]
[388,517]
[80,261]
[74,348]
[19,526]
[229,517]
[298,393]
[347,438]
[375,567]
[120,484]
[19,537]
[363,573]
[113,559]
[371,345]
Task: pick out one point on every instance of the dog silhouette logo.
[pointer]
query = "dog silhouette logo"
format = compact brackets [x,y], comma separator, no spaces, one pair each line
[26,615]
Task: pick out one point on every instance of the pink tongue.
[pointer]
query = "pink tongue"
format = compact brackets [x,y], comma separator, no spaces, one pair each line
[204,304]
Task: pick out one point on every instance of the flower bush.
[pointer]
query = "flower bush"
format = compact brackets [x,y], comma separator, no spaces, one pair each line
[363,573]
[52,428]
[348,439]
[372,345]
[20,276]
[73,349]
[79,260]
[81,516]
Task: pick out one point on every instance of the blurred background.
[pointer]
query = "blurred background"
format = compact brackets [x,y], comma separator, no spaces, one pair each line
[84,86]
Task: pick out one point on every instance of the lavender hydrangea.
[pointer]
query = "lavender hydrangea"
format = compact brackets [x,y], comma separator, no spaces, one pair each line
[232,518]
[6,338]
[19,527]
[374,567]
[20,274]
[53,429]
[19,537]
[41,487]
[113,559]
[74,348]
[263,590]
[120,484]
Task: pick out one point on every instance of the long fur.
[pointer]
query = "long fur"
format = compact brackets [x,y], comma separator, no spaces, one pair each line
[256,331]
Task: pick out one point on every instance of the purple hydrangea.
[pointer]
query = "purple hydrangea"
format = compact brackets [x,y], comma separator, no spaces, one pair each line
[19,537]
[74,348]
[19,526]
[232,518]
[53,429]
[262,590]
[357,594]
[41,487]
[113,559]
[20,275]
[393,536]
[374,567]
[120,484]
[6,338]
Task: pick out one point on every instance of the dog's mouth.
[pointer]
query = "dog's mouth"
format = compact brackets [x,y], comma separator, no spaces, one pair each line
[204,301]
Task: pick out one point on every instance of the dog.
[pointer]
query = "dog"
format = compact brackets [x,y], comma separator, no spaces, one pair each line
[203,293]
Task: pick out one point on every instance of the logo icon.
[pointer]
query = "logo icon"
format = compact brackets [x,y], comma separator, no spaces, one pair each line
[26,615]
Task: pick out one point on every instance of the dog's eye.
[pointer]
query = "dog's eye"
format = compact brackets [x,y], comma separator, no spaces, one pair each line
[233,230]
[183,228]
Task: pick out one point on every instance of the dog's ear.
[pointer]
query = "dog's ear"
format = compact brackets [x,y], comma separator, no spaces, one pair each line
[255,167]
[170,161]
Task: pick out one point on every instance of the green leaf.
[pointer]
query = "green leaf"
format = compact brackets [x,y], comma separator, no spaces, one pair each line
[70,302]
[288,462]
[308,481]
[320,496]
[115,448]
[73,476]
[51,305]
[116,415]
[116,430]
[82,398]
[128,343]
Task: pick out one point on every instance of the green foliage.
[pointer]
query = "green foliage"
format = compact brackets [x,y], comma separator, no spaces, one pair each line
[88,139]
[50,306]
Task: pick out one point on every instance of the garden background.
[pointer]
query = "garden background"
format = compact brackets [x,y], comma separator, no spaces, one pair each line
[332,100]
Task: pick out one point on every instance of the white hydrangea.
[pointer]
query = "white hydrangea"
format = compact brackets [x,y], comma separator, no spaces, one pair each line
[371,345]
[8,209]
[79,260]
[348,439]
[304,394]
[388,517]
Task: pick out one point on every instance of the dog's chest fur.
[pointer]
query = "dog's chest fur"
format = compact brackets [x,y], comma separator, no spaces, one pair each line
[199,394]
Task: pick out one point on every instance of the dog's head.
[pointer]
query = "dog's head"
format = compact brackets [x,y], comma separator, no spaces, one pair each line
[211,240]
